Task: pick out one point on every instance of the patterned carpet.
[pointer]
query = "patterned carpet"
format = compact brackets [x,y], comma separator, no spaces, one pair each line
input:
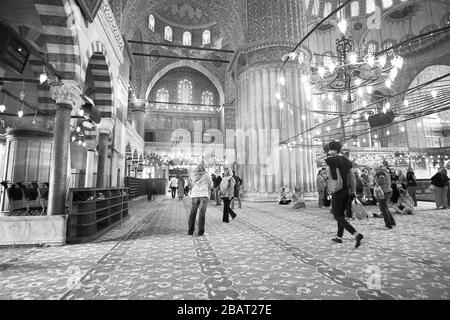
[267,252]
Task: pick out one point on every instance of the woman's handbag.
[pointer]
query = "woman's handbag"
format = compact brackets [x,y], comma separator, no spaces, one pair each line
[378,192]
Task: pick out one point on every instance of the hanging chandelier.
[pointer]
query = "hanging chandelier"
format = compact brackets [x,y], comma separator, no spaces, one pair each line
[351,74]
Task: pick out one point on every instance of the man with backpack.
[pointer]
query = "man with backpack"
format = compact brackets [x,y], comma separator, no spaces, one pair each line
[341,185]
[383,193]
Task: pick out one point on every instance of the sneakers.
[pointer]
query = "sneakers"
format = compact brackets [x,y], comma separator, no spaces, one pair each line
[337,240]
[359,237]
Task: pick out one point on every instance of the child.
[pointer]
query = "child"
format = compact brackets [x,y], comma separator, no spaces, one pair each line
[299,200]
[283,197]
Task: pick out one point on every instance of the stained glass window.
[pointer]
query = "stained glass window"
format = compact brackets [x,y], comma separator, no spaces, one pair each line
[187,37]
[168,33]
[206,37]
[207,98]
[185,91]
[151,22]
[355,8]
[162,95]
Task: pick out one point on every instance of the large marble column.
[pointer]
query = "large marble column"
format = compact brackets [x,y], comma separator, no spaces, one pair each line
[275,27]
[138,109]
[67,96]
[90,164]
[103,141]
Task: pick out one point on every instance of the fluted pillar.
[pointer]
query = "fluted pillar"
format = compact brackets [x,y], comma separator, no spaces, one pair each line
[138,109]
[275,27]
[67,96]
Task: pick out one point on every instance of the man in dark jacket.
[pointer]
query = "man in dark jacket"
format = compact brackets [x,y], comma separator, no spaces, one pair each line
[237,190]
[339,200]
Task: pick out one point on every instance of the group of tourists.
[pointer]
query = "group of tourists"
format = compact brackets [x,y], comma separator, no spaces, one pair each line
[201,188]
[378,184]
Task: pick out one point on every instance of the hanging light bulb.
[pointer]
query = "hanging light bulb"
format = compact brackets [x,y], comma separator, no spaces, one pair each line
[382,60]
[364,140]
[79,142]
[402,129]
[282,80]
[342,25]
[384,110]
[364,103]
[73,138]
[388,83]
[355,143]
[388,132]
[20,113]
[281,105]
[332,66]
[369,89]
[84,144]
[321,71]
[393,74]
[351,121]
[353,57]
[375,136]
[43,77]
[328,129]
[366,116]
[406,103]
[303,117]
[278,95]
[360,92]
[388,105]
[434,93]
[358,82]
[78,129]
[3,106]
[81,112]
[398,62]
[419,125]
[371,60]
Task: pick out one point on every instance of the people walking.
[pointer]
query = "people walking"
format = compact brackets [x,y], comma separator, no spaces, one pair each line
[441,184]
[173,186]
[411,184]
[340,197]
[216,184]
[148,188]
[321,186]
[227,194]
[237,190]
[201,183]
[383,183]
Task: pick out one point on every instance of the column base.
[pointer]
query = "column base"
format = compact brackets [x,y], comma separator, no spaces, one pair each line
[33,230]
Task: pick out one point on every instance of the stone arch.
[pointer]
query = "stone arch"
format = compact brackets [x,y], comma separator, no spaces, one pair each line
[99,67]
[193,65]
[60,37]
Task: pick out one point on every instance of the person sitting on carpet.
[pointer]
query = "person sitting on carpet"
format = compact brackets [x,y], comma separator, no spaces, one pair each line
[283,197]
[404,204]
[299,200]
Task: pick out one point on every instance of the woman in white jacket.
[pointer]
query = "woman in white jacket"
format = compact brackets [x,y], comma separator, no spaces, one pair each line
[200,183]
[227,194]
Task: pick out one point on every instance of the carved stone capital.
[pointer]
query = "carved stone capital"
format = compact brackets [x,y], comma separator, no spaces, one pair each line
[138,105]
[105,126]
[66,92]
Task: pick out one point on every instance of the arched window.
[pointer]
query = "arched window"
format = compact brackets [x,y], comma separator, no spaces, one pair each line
[185,91]
[355,8]
[168,33]
[206,37]
[187,37]
[162,95]
[315,8]
[151,22]
[207,98]
[387,3]
[370,6]
[386,46]
[327,9]
[371,48]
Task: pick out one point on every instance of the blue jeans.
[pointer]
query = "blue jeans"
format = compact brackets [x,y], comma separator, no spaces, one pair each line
[198,203]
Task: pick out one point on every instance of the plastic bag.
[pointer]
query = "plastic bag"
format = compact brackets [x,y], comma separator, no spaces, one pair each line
[359,212]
